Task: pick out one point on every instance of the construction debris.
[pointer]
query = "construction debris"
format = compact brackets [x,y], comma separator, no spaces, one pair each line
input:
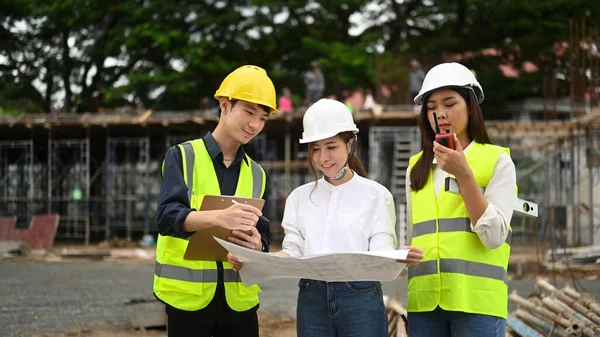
[579,262]
[575,255]
[112,254]
[12,248]
[145,313]
[138,253]
[554,312]
[397,323]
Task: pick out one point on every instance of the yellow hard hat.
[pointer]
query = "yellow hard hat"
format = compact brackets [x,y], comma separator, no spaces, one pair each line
[251,84]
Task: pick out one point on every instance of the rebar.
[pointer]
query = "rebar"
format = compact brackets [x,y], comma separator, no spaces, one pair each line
[514,297]
[585,299]
[531,319]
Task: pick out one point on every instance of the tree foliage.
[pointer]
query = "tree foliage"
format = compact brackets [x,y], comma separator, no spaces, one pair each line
[83,55]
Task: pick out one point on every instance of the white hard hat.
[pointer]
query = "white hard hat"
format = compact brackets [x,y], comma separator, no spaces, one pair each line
[326,118]
[449,75]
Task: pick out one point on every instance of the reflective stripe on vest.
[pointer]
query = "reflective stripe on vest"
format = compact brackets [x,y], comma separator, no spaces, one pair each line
[188,284]
[193,275]
[448,225]
[458,273]
[459,267]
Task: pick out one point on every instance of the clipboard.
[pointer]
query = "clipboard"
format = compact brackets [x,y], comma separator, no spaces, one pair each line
[202,246]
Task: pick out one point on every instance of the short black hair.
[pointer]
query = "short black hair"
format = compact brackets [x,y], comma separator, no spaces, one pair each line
[234,101]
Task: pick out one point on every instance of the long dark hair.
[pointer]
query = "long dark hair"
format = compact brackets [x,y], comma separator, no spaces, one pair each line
[476,130]
[354,163]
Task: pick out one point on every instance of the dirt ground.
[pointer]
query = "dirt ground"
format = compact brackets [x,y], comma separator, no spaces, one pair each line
[93,305]
[270,326]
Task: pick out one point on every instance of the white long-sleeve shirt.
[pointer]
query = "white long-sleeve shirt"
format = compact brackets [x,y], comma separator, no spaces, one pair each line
[358,215]
[492,226]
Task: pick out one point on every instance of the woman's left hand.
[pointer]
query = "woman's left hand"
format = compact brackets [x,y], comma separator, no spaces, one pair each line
[451,161]
[415,255]
[236,265]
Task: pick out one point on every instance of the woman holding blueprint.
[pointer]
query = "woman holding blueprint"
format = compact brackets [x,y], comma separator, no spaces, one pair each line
[341,212]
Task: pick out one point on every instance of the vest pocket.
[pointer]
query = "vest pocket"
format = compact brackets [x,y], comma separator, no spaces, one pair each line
[244,291]
[179,287]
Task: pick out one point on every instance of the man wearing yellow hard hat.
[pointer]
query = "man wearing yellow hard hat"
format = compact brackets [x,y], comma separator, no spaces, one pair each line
[207,298]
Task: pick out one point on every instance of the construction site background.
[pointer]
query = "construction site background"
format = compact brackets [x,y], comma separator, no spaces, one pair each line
[78,199]
[100,173]
[88,185]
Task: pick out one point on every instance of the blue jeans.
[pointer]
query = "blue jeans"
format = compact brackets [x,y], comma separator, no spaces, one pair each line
[340,309]
[442,323]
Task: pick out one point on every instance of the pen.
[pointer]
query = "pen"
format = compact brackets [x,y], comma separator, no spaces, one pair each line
[260,216]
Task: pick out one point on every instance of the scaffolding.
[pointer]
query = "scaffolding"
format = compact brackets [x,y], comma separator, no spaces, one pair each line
[558,167]
[128,186]
[18,180]
[390,148]
[105,186]
[69,186]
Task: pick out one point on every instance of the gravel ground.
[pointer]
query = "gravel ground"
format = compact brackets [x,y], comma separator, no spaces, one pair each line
[40,297]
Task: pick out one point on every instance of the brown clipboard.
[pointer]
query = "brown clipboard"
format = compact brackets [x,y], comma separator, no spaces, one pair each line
[202,246]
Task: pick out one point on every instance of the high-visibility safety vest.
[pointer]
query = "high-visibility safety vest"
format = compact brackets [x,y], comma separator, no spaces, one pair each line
[191,285]
[457,272]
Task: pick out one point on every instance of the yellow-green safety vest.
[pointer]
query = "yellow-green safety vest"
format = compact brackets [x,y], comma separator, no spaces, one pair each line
[191,285]
[457,272]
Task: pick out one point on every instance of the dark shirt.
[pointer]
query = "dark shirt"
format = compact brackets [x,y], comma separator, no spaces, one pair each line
[173,201]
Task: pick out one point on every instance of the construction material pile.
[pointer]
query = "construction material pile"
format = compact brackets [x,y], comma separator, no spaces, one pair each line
[397,326]
[554,312]
[577,261]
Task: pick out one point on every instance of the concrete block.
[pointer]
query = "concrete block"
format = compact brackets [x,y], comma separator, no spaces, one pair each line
[146,313]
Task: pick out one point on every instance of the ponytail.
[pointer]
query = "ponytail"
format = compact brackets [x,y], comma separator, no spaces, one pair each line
[356,165]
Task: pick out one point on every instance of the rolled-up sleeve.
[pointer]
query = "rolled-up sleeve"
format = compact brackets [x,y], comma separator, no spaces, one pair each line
[383,234]
[293,242]
[501,194]
[173,201]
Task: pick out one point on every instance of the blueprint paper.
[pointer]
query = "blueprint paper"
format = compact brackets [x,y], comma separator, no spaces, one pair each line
[260,267]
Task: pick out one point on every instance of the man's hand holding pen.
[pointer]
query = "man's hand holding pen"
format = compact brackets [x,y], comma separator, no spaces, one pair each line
[246,235]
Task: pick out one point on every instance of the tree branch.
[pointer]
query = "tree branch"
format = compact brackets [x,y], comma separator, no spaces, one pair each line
[66,71]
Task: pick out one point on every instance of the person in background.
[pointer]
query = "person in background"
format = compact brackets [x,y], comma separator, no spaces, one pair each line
[416,77]
[341,212]
[459,289]
[370,104]
[285,101]
[315,84]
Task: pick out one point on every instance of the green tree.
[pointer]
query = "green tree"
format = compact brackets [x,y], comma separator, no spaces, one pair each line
[82,55]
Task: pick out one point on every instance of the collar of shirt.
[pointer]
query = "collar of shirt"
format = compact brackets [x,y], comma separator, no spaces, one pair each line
[214,150]
[327,186]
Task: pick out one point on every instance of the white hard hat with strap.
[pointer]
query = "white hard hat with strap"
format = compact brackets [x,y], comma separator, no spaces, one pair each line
[449,75]
[326,118]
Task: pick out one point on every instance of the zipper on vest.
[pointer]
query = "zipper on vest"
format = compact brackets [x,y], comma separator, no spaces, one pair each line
[219,272]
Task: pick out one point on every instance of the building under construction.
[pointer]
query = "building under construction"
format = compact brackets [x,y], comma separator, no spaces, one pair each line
[101,172]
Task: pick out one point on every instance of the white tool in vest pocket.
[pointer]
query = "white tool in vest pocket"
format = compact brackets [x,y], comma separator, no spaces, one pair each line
[522,207]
